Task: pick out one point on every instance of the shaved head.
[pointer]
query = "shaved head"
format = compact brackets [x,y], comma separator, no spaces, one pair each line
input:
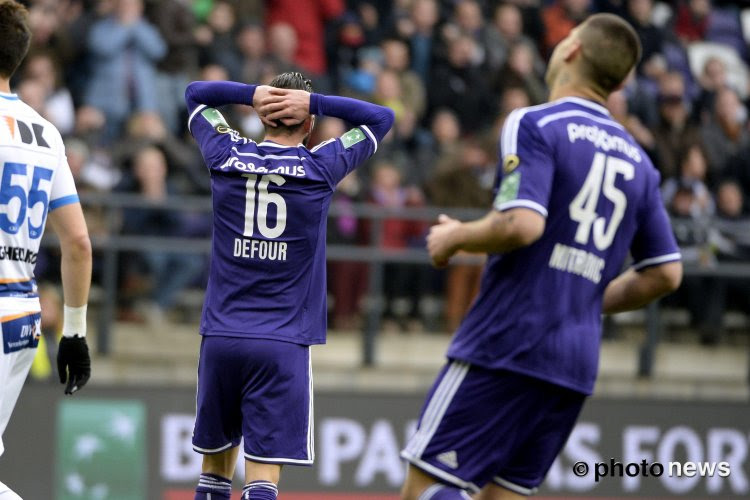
[610,49]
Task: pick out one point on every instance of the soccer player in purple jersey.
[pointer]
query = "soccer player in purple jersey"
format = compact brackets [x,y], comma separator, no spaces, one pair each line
[574,195]
[265,303]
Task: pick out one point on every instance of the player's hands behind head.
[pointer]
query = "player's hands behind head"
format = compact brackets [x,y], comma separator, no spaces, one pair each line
[441,242]
[73,363]
[290,106]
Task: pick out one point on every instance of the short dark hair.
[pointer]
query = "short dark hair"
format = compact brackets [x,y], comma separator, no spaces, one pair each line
[15,35]
[611,48]
[291,80]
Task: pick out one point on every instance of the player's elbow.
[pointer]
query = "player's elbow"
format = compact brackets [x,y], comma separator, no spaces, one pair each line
[671,276]
[191,95]
[77,247]
[665,278]
[525,227]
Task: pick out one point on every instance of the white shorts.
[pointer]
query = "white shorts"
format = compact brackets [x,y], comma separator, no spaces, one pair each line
[20,326]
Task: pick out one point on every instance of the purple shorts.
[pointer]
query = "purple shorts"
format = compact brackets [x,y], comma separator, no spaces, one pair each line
[259,390]
[480,426]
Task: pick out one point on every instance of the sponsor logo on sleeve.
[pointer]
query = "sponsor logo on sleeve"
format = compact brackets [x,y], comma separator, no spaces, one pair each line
[508,189]
[352,137]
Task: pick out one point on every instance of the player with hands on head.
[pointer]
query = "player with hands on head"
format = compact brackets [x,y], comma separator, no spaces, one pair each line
[575,194]
[37,185]
[266,298]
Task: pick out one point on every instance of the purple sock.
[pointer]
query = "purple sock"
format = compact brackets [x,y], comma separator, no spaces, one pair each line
[443,492]
[220,488]
[260,490]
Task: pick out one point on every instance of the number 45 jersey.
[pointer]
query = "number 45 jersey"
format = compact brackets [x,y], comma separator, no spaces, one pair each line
[35,180]
[539,307]
[270,204]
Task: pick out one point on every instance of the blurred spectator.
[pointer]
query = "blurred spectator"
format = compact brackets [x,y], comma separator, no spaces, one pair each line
[124,49]
[524,68]
[403,283]
[251,41]
[691,21]
[308,19]
[396,59]
[216,39]
[458,183]
[283,43]
[674,133]
[712,79]
[176,24]
[618,107]
[639,14]
[560,18]
[443,146]
[462,87]
[419,28]
[725,132]
[169,273]
[58,104]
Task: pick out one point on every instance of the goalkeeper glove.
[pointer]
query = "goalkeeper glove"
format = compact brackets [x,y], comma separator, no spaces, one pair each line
[73,363]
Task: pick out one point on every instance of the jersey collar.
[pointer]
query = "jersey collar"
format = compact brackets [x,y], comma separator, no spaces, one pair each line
[9,97]
[587,104]
[275,145]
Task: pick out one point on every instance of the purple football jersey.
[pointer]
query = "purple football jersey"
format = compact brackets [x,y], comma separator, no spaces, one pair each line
[270,204]
[539,308]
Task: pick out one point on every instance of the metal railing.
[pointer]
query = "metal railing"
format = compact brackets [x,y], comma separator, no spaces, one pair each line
[109,246]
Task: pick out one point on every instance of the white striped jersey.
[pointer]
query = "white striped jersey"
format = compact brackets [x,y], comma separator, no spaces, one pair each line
[34,179]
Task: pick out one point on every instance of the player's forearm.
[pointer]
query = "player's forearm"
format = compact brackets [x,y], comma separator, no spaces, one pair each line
[218,94]
[75,267]
[633,290]
[500,232]
[378,119]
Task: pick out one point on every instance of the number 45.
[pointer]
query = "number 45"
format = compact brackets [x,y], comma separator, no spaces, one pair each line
[601,178]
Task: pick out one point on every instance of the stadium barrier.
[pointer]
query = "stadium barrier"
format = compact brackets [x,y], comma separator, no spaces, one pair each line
[134,443]
[110,245]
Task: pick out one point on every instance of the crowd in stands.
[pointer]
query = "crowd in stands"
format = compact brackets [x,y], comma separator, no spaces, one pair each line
[110,74]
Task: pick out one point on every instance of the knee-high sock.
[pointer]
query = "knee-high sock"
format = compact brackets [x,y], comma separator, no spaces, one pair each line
[219,488]
[260,490]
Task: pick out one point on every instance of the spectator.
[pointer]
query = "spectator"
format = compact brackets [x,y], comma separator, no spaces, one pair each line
[525,69]
[462,87]
[618,107]
[674,133]
[712,79]
[691,22]
[176,25]
[725,132]
[396,59]
[58,103]
[639,14]
[251,41]
[216,39]
[171,272]
[308,19]
[282,41]
[124,49]
[560,18]
[420,30]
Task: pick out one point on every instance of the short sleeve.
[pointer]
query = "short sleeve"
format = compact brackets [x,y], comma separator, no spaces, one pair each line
[343,154]
[63,191]
[214,136]
[526,168]
[654,242]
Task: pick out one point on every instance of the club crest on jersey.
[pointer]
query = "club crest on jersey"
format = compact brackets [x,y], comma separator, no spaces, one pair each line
[19,130]
[510,163]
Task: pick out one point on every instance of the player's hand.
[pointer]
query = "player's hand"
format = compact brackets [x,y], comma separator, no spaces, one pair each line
[73,363]
[291,106]
[441,240]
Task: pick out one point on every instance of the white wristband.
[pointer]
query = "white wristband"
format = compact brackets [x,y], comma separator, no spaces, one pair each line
[74,321]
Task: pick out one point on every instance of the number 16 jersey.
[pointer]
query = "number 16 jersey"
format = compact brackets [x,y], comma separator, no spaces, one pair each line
[539,308]
[35,180]
[270,205]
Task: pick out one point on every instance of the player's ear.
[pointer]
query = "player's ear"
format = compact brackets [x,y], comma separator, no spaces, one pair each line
[572,50]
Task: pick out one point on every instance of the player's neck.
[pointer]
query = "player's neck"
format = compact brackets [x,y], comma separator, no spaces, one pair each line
[284,140]
[576,89]
[5,85]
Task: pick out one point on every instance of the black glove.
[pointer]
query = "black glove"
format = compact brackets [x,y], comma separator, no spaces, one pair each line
[73,363]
